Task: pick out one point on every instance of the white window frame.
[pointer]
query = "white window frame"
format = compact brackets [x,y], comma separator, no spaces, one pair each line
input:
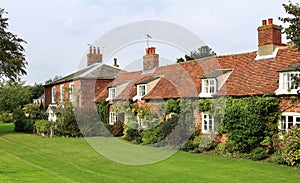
[111,93]
[53,94]
[112,118]
[288,119]
[286,84]
[139,91]
[209,87]
[62,92]
[71,91]
[208,123]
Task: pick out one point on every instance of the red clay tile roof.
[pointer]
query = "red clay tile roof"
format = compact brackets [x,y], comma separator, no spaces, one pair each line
[249,76]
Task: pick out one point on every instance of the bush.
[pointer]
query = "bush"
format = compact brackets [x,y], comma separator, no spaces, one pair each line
[152,136]
[66,121]
[26,125]
[258,153]
[5,118]
[291,146]
[277,158]
[192,145]
[43,127]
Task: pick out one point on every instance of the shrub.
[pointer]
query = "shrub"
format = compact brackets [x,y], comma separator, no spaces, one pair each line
[291,146]
[44,127]
[258,153]
[25,125]
[66,121]
[5,118]
[192,145]
[152,136]
[277,158]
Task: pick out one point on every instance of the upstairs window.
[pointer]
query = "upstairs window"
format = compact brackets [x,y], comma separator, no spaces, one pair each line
[141,90]
[53,94]
[62,93]
[209,85]
[111,93]
[287,84]
[71,88]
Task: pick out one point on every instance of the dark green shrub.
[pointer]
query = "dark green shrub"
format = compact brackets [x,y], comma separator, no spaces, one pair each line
[291,146]
[152,136]
[192,145]
[258,153]
[26,125]
[133,135]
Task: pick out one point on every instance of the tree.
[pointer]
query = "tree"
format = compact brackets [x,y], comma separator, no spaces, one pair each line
[202,52]
[12,59]
[37,91]
[13,95]
[293,30]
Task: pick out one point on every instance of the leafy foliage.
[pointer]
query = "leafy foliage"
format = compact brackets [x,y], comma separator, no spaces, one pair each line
[13,95]
[202,52]
[12,59]
[44,127]
[66,121]
[249,121]
[293,30]
[33,110]
[291,146]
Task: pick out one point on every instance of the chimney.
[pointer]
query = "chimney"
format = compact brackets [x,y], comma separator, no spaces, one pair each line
[150,60]
[116,62]
[94,56]
[269,36]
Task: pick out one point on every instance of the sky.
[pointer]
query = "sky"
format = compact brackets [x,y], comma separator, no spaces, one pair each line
[58,31]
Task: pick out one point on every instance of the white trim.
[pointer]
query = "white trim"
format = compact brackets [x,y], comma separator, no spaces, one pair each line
[285,82]
[62,92]
[71,92]
[205,91]
[207,123]
[110,93]
[138,96]
[53,94]
[112,118]
[273,55]
[287,124]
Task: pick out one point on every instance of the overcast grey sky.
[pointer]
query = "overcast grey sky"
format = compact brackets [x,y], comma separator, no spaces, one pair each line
[58,31]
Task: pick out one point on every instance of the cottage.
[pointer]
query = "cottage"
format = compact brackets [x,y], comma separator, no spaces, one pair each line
[267,71]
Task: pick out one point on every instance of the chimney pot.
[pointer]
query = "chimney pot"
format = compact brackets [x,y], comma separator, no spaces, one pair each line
[270,21]
[91,49]
[98,50]
[264,22]
[116,62]
[94,50]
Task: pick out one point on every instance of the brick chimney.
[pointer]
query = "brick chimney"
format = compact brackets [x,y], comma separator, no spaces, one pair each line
[94,56]
[150,60]
[269,36]
[116,62]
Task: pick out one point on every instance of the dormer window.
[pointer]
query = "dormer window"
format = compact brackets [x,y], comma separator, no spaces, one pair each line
[141,90]
[111,93]
[287,85]
[209,86]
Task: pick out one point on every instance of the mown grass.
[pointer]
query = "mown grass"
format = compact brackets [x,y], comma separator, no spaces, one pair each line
[30,158]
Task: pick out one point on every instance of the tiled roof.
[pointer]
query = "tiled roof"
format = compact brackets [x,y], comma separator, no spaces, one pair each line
[248,77]
[292,67]
[94,71]
[216,73]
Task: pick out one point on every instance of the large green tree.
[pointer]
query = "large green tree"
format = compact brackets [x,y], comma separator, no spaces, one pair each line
[13,95]
[12,58]
[202,52]
[292,31]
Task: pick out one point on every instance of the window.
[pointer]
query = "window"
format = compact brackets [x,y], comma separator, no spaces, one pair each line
[207,123]
[287,84]
[53,94]
[111,93]
[62,93]
[112,118]
[288,120]
[209,86]
[141,90]
[71,88]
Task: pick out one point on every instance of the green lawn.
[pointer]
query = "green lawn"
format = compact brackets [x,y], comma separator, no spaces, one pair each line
[30,158]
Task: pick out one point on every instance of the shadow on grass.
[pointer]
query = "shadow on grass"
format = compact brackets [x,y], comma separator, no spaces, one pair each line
[6,128]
